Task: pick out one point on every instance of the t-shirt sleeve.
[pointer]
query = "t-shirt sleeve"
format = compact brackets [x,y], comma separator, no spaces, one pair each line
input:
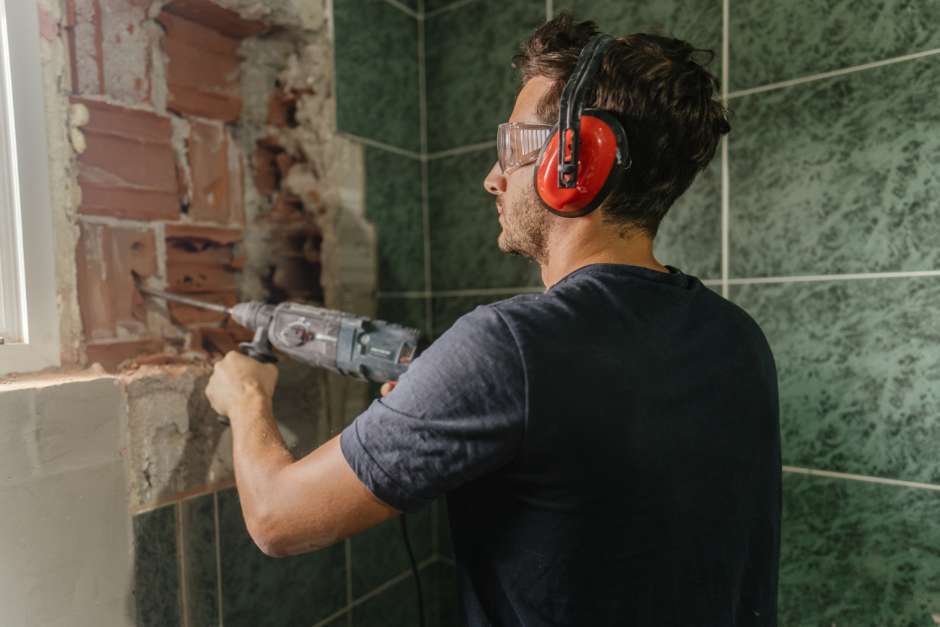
[456,414]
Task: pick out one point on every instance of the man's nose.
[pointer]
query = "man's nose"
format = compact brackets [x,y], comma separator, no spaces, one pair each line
[495,182]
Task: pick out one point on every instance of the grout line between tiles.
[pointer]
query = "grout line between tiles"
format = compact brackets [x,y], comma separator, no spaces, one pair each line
[449,7]
[725,174]
[510,291]
[329,619]
[425,182]
[460,150]
[833,73]
[218,556]
[404,9]
[391,582]
[863,478]
[382,145]
[422,93]
[181,567]
[192,494]
[834,277]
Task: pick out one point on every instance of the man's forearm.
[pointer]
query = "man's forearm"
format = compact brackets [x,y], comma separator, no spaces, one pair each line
[260,457]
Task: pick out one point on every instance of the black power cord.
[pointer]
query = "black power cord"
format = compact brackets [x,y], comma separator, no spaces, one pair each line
[414,568]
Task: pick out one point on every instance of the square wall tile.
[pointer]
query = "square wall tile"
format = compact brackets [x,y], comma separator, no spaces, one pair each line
[379,554]
[689,237]
[393,205]
[465,227]
[377,72]
[858,370]
[698,22]
[776,41]
[156,569]
[260,590]
[471,84]
[855,553]
[838,175]
[197,519]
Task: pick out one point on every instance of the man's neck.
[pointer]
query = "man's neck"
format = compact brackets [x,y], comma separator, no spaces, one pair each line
[579,244]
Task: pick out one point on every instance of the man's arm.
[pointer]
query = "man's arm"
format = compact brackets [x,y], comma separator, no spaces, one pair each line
[290,506]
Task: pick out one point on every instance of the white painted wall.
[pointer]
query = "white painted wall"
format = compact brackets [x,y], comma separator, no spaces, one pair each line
[65,532]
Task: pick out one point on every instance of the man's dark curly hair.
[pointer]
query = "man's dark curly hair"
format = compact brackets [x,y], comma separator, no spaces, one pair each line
[663,96]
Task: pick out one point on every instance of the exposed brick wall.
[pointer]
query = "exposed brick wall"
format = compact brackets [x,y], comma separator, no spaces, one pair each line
[161,176]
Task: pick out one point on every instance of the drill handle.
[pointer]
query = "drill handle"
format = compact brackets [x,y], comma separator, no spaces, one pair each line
[259,348]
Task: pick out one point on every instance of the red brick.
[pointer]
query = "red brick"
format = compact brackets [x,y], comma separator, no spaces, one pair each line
[110,48]
[107,258]
[111,355]
[215,165]
[200,259]
[207,233]
[209,14]
[203,70]
[128,168]
[267,175]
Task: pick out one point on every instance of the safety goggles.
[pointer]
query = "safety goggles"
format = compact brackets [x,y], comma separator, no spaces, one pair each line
[519,144]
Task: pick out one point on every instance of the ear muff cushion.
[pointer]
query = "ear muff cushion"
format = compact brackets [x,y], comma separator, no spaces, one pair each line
[601,162]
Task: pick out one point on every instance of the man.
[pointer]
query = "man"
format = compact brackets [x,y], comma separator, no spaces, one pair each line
[609,449]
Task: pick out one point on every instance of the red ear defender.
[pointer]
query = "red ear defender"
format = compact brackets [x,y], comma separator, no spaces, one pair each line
[575,182]
[602,160]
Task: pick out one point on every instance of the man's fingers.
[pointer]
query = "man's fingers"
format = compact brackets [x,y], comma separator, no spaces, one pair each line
[388,387]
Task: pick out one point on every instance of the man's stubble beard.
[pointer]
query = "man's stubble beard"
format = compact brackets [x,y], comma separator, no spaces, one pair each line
[526,224]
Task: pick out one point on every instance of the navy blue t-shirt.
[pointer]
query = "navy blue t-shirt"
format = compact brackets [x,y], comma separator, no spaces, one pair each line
[610,452]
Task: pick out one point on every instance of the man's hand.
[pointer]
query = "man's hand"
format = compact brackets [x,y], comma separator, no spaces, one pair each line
[387,387]
[238,380]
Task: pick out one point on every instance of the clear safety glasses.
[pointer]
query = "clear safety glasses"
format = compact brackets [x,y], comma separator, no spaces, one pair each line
[518,144]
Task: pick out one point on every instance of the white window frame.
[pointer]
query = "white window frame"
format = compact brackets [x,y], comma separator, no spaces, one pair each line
[27,244]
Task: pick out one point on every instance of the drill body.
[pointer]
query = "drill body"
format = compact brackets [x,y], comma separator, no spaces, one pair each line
[354,346]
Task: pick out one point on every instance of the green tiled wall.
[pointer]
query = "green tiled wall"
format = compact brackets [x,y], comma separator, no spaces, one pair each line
[824,176]
[833,175]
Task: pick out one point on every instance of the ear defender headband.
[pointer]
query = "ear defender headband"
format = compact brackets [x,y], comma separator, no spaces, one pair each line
[575,182]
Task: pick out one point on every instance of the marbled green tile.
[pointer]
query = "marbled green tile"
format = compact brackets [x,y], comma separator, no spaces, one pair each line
[197,519]
[689,236]
[471,83]
[260,590]
[855,553]
[447,309]
[156,569]
[379,555]
[465,227]
[393,205]
[838,175]
[377,72]
[858,364]
[774,41]
[698,22]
